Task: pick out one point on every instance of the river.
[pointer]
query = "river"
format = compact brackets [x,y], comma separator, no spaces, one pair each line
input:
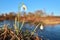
[50,32]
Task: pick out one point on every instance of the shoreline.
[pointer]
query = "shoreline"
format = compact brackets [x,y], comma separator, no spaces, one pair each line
[43,20]
[51,20]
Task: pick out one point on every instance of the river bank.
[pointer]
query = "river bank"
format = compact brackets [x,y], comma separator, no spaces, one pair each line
[48,20]
[44,20]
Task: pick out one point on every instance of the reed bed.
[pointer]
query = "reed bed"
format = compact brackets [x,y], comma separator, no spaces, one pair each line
[9,34]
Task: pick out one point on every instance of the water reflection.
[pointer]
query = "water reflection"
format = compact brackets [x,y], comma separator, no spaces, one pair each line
[48,33]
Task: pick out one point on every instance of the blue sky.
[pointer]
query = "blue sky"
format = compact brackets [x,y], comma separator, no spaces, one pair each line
[32,5]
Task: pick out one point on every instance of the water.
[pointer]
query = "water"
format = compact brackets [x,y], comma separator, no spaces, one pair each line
[48,33]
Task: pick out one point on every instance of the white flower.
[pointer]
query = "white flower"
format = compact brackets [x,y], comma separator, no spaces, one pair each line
[24,7]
